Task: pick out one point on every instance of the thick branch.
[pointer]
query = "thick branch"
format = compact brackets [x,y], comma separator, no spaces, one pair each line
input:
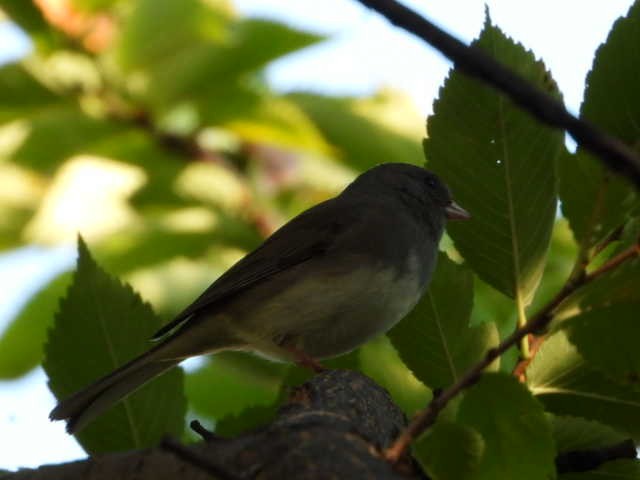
[333,426]
[475,62]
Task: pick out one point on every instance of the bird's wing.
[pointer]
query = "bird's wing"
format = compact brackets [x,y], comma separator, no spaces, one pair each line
[309,234]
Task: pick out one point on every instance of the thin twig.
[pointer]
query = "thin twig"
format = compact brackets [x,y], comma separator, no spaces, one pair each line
[475,62]
[198,460]
[536,323]
[623,256]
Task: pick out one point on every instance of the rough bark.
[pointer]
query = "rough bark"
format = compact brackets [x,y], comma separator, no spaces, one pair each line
[333,426]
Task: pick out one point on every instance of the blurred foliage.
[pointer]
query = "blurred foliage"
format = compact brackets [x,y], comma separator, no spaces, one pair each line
[148,127]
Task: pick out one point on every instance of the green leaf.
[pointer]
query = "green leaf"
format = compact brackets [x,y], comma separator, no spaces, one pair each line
[612,100]
[253,43]
[615,470]
[20,92]
[379,361]
[499,163]
[560,378]
[276,121]
[607,338]
[516,432]
[102,324]
[435,340]
[156,31]
[594,200]
[231,382]
[26,14]
[30,18]
[95,5]
[203,42]
[19,198]
[57,132]
[361,130]
[22,342]
[575,433]
[161,165]
[450,451]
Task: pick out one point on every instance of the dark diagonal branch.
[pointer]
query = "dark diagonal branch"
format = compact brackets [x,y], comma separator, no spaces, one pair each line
[475,62]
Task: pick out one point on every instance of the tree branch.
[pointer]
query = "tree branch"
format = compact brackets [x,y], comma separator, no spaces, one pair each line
[475,62]
[333,426]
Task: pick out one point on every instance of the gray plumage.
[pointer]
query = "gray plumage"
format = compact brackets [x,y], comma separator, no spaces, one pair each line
[335,276]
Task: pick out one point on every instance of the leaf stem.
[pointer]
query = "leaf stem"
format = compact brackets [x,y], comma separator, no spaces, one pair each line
[522,321]
[425,418]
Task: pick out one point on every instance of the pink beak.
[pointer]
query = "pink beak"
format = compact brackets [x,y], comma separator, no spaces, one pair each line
[456,212]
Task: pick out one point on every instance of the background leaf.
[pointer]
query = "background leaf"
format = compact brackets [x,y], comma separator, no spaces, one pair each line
[21,344]
[101,325]
[231,382]
[385,128]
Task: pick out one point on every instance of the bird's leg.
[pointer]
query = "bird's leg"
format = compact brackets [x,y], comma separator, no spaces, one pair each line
[300,357]
[304,360]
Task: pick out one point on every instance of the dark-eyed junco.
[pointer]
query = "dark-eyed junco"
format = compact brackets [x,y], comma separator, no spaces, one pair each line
[335,276]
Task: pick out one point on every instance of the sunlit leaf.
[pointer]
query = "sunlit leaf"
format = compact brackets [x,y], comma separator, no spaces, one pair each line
[94,5]
[380,361]
[88,195]
[280,122]
[359,128]
[499,163]
[102,324]
[560,378]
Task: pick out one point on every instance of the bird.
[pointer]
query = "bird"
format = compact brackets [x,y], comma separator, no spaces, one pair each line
[333,277]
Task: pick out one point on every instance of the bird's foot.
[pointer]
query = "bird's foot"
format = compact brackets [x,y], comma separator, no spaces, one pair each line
[306,361]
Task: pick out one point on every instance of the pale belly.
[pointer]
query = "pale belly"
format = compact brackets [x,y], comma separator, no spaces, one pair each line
[330,316]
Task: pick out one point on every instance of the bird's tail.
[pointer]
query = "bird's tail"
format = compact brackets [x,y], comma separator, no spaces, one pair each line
[87,404]
[84,406]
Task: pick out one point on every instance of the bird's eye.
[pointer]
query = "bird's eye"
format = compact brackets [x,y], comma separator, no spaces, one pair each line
[431,182]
